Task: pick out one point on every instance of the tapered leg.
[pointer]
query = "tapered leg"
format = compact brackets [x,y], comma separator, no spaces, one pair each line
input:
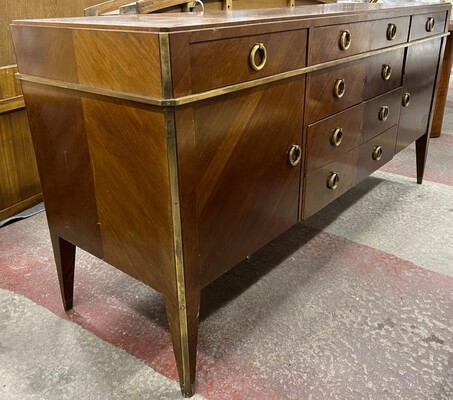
[183,321]
[421,147]
[64,253]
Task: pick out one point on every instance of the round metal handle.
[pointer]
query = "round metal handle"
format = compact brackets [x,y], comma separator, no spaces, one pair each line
[406,99]
[345,40]
[337,137]
[333,180]
[261,48]
[391,31]
[383,113]
[294,155]
[377,153]
[430,24]
[339,89]
[386,72]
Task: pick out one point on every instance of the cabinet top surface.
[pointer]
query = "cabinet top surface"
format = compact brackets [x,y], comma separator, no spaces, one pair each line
[186,21]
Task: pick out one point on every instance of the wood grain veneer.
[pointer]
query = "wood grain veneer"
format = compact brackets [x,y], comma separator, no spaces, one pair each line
[177,193]
[364,36]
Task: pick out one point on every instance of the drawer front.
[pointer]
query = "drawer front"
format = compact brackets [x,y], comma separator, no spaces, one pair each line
[381,113]
[224,62]
[338,41]
[317,192]
[383,73]
[376,152]
[389,32]
[322,99]
[333,136]
[424,25]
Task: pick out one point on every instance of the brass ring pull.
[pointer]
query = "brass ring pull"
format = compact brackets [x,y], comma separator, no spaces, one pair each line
[406,99]
[345,40]
[391,31]
[337,137]
[377,153]
[383,113]
[339,89]
[430,24]
[386,72]
[259,47]
[294,155]
[333,180]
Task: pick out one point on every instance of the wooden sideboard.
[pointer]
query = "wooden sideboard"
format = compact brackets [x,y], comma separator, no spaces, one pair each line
[173,146]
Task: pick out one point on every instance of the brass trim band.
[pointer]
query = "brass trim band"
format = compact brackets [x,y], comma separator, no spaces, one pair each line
[167,89]
[192,98]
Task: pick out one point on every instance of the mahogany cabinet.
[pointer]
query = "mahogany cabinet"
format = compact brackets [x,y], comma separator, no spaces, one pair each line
[173,146]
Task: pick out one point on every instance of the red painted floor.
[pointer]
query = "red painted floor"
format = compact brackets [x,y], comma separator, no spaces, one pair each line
[311,316]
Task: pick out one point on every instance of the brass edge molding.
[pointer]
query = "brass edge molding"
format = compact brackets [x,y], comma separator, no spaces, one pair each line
[164,44]
[192,98]
[80,87]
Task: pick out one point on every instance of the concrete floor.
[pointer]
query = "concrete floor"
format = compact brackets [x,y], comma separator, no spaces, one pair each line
[356,303]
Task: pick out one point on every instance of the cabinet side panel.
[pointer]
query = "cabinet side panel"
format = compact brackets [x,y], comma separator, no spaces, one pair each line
[128,152]
[58,133]
[420,75]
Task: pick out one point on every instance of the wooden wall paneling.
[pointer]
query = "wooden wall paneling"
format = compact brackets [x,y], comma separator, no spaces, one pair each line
[23,9]
[19,180]
[10,91]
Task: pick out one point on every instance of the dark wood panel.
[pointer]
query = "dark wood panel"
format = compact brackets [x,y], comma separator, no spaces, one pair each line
[57,126]
[321,100]
[375,83]
[444,81]
[247,191]
[419,80]
[419,26]
[212,63]
[369,159]
[127,147]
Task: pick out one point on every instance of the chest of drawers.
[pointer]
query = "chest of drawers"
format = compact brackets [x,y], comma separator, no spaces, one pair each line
[173,146]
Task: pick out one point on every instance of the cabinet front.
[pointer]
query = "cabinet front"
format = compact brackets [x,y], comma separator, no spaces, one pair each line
[248,152]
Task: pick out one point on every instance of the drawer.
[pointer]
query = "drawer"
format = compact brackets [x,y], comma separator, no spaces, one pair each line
[333,136]
[325,95]
[317,191]
[383,73]
[376,152]
[338,41]
[424,25]
[219,63]
[381,113]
